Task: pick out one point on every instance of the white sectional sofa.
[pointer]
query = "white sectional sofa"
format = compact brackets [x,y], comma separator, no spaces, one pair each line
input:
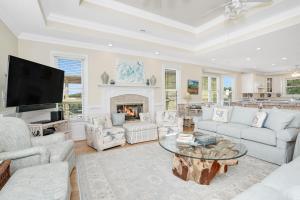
[282,184]
[274,142]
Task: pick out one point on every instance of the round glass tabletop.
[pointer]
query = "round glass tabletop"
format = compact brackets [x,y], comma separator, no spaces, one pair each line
[223,149]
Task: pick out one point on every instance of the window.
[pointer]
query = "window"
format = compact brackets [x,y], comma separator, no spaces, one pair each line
[73,87]
[210,89]
[171,89]
[292,86]
[228,83]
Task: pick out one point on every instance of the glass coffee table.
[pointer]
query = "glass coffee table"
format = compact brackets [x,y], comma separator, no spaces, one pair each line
[202,163]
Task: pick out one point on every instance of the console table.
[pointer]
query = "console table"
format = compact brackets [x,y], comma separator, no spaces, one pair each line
[60,126]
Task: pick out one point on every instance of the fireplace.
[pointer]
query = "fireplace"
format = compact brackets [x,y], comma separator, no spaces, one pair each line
[131,111]
[130,104]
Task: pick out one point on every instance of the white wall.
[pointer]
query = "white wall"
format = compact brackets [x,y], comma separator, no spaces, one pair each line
[8,46]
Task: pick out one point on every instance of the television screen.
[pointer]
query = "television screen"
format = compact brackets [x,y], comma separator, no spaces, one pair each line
[32,83]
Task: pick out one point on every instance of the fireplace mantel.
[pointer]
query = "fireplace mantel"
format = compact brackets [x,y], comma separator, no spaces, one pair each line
[109,91]
[130,86]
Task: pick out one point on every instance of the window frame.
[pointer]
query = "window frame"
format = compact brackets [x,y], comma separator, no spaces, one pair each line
[209,91]
[84,78]
[178,85]
[285,86]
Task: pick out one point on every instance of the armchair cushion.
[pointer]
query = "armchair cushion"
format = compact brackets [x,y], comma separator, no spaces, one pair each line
[145,117]
[48,140]
[118,119]
[60,151]
[103,120]
[113,131]
[170,117]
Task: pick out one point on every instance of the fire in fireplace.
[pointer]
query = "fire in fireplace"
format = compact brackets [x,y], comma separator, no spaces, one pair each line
[131,111]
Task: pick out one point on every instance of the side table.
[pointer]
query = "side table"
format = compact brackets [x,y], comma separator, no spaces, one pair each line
[4,173]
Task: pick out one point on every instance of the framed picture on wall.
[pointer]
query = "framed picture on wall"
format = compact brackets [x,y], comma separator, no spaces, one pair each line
[193,87]
[130,72]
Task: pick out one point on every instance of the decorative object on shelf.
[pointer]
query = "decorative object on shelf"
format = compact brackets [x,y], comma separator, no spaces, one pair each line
[193,87]
[112,82]
[153,80]
[130,72]
[105,78]
[148,82]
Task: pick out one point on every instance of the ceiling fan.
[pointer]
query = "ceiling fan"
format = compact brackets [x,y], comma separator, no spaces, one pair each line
[236,8]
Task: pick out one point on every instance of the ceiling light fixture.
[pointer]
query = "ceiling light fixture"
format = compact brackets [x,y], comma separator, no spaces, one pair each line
[258,48]
[248,59]
[156,52]
[110,44]
[273,64]
[213,59]
[284,58]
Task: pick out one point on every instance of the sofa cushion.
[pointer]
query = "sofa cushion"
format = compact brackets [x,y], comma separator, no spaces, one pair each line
[231,129]
[207,112]
[260,192]
[278,120]
[285,176]
[243,115]
[113,131]
[221,114]
[47,182]
[262,135]
[209,125]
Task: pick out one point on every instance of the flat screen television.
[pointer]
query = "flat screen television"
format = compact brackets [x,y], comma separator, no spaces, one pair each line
[31,83]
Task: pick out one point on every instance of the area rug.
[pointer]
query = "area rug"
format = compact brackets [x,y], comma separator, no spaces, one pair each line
[143,172]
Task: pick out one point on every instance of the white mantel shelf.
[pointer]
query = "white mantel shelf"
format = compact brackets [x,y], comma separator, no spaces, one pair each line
[128,86]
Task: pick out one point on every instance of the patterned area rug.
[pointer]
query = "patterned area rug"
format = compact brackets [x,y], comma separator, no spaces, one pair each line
[143,172]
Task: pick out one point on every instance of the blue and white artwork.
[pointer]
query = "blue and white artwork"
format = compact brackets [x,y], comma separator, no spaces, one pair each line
[130,72]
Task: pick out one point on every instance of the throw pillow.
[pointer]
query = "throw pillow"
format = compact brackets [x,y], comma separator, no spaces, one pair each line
[170,117]
[145,117]
[259,119]
[159,117]
[118,119]
[220,115]
[278,120]
[98,121]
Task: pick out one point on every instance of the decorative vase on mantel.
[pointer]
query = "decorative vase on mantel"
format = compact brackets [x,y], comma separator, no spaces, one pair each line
[105,78]
[153,80]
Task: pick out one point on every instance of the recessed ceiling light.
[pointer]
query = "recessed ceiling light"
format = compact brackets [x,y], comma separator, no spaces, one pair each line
[273,64]
[110,44]
[213,59]
[284,58]
[258,48]
[156,52]
[143,30]
[248,59]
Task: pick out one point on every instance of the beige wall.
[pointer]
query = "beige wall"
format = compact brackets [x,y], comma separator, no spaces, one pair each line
[8,46]
[99,61]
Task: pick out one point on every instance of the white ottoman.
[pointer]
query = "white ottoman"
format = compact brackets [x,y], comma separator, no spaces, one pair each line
[140,132]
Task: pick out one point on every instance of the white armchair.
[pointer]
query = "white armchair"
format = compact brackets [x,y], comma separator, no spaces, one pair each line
[102,135]
[169,122]
[18,145]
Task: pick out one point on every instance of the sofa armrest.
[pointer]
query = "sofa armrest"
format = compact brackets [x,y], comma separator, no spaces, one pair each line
[48,140]
[34,151]
[288,135]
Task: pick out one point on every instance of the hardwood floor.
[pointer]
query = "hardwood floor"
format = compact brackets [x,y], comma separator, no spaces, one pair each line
[81,147]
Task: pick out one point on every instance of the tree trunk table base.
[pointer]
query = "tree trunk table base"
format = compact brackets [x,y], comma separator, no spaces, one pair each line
[200,171]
